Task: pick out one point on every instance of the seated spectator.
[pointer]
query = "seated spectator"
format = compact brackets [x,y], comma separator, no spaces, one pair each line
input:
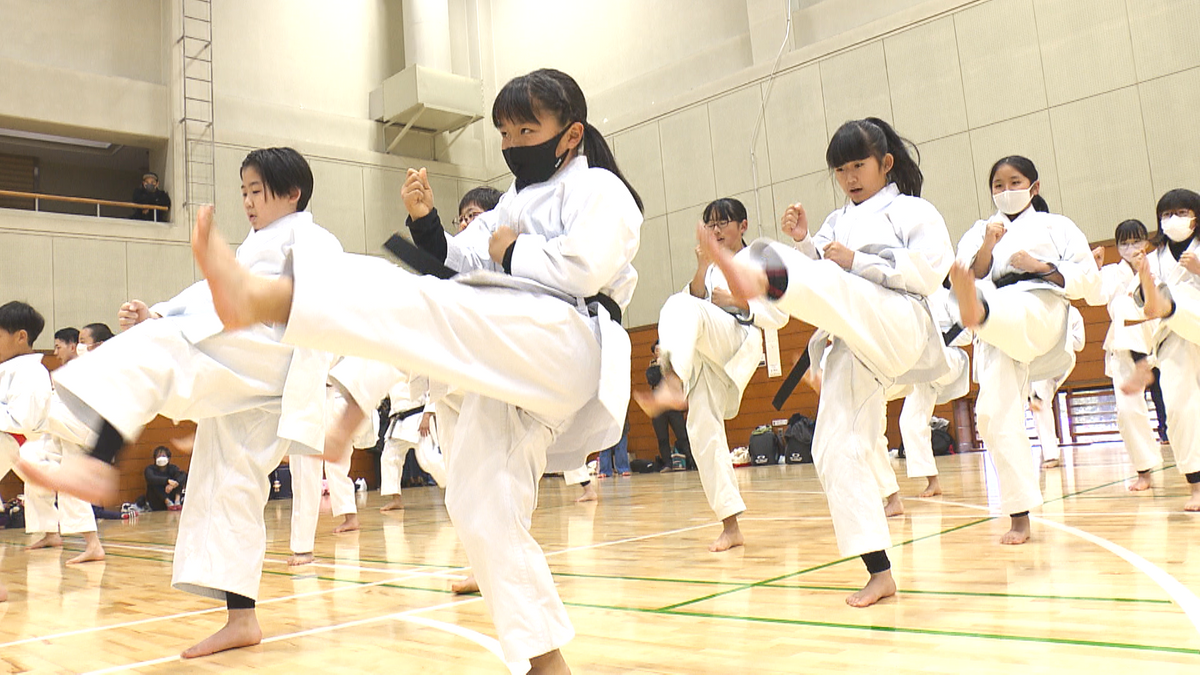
[149,193]
[66,341]
[477,200]
[93,335]
[164,482]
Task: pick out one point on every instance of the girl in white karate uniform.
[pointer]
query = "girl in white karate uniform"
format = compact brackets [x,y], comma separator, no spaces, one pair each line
[1170,288]
[531,335]
[709,347]
[1029,264]
[1042,392]
[863,277]
[1128,343]
[410,399]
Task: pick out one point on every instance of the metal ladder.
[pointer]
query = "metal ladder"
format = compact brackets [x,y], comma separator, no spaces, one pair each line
[195,41]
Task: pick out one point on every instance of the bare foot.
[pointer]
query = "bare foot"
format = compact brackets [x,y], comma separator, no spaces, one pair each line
[48,540]
[550,663]
[1142,482]
[300,559]
[240,298]
[1019,534]
[241,630]
[970,309]
[350,524]
[668,395]
[394,505]
[1051,464]
[933,489]
[183,444]
[880,586]
[589,494]
[90,479]
[1143,375]
[746,282]
[465,586]
[94,551]
[1035,403]
[1156,305]
[731,536]
[893,507]
[1193,503]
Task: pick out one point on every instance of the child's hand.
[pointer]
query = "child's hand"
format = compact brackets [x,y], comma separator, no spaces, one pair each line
[134,312]
[1190,262]
[1027,263]
[993,233]
[1098,255]
[795,222]
[839,254]
[416,193]
[502,238]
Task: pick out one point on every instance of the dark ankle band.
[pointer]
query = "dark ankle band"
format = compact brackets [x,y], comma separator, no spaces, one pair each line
[1023,514]
[108,443]
[876,561]
[235,601]
[1193,477]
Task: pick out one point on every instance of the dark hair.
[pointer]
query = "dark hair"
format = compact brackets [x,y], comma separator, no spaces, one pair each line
[162,449]
[100,332]
[1131,230]
[1025,167]
[1173,200]
[553,92]
[872,137]
[68,335]
[282,170]
[726,208]
[17,316]
[485,197]
[654,346]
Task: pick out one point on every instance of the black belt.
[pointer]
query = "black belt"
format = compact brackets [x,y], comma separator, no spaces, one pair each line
[424,263]
[1016,277]
[396,417]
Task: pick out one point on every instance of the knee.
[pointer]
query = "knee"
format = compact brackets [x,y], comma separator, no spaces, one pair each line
[680,308]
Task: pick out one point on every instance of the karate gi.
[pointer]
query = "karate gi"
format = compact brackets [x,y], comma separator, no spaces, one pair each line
[883,335]
[714,353]
[254,399]
[1024,338]
[1046,389]
[25,393]
[410,400]
[1178,349]
[546,375]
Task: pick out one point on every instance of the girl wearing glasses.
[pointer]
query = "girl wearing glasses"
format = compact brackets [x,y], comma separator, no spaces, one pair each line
[710,344]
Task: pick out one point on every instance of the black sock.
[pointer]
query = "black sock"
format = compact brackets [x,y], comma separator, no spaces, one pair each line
[585,483]
[1193,477]
[1022,514]
[108,443]
[1144,473]
[876,561]
[235,601]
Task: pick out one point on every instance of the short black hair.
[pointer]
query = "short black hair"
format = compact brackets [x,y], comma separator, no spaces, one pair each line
[67,335]
[1174,200]
[485,197]
[100,332]
[162,449]
[17,316]
[654,346]
[282,170]
[1131,230]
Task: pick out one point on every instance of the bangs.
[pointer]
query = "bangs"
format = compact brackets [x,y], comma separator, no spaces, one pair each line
[725,209]
[849,144]
[1131,230]
[514,103]
[1179,198]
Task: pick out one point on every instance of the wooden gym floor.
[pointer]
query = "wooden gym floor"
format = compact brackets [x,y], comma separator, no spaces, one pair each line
[1109,583]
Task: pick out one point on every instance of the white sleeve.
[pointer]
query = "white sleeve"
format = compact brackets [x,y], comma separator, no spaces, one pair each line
[196,295]
[971,242]
[601,224]
[918,266]
[1081,278]
[813,244]
[1108,288]
[469,249]
[366,382]
[28,404]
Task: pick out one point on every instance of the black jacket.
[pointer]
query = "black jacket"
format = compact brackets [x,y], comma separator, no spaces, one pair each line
[157,198]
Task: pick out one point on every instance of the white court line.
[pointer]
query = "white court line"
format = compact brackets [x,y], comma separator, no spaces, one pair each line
[297,634]
[273,561]
[631,539]
[489,643]
[1179,593]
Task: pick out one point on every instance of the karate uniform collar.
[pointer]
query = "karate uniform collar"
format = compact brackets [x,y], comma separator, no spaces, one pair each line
[290,220]
[1024,215]
[875,204]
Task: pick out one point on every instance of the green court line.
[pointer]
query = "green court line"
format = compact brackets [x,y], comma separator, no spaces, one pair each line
[970,594]
[821,566]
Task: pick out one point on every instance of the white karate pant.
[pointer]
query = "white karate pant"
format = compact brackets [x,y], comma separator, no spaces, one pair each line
[1179,377]
[530,364]
[1021,326]
[1044,419]
[1133,415]
[915,415]
[401,438]
[871,325]
[577,476]
[307,471]
[698,339]
[231,384]
[45,510]
[881,464]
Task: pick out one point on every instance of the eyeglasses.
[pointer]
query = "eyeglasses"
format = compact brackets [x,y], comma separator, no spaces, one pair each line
[717,224]
[466,218]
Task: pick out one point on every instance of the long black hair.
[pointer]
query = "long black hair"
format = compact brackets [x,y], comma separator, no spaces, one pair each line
[726,208]
[1173,200]
[1025,167]
[553,92]
[857,140]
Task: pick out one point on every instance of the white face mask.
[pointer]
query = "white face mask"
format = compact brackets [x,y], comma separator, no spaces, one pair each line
[162,460]
[81,349]
[1177,228]
[1012,201]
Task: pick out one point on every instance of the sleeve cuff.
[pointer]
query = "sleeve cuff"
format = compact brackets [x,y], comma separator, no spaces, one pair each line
[426,223]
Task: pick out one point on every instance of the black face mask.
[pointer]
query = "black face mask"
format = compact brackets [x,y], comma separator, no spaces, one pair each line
[535,163]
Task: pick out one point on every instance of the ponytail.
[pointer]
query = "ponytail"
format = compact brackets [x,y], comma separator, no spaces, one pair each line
[1039,204]
[600,156]
[872,137]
